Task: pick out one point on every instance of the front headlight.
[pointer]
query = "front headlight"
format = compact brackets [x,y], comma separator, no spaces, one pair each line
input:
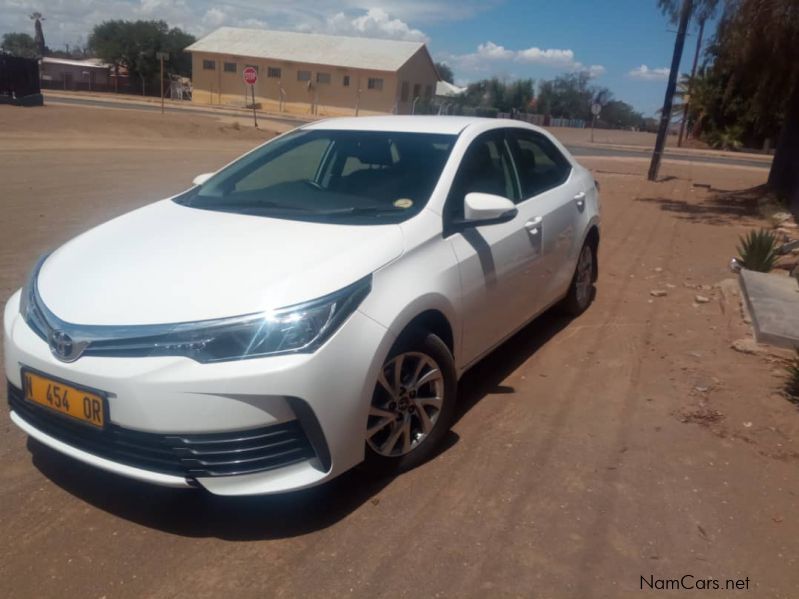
[301,328]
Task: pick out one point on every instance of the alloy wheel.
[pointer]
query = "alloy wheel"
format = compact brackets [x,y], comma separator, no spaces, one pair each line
[407,403]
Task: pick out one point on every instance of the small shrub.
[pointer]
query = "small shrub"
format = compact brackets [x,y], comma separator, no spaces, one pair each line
[792,384]
[758,250]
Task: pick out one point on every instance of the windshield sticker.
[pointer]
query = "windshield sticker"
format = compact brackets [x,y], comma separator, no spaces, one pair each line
[403,203]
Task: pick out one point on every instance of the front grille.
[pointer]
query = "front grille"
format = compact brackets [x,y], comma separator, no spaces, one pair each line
[189,455]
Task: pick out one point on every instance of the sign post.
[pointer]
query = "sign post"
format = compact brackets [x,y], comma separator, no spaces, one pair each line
[250,75]
[162,56]
[596,108]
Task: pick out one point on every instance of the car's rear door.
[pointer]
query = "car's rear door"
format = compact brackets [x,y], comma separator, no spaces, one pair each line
[554,198]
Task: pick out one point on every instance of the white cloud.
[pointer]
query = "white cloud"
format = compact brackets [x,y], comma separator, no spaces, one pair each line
[549,57]
[70,20]
[375,23]
[489,56]
[644,73]
[491,51]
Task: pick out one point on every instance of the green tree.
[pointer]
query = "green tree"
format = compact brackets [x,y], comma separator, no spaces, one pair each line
[445,72]
[568,96]
[620,115]
[133,44]
[502,96]
[756,51]
[19,44]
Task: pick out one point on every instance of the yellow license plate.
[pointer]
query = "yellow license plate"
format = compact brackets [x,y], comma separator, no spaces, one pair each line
[61,397]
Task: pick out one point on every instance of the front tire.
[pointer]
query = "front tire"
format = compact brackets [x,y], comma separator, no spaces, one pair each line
[413,404]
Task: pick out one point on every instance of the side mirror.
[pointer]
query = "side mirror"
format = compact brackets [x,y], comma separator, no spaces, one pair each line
[200,179]
[487,209]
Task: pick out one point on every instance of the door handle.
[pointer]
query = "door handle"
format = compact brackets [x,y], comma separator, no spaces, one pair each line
[579,199]
[533,225]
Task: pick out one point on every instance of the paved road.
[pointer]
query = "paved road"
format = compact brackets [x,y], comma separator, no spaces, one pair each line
[647,153]
[577,150]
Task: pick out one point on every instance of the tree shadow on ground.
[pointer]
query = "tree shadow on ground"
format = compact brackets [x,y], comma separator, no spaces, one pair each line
[720,207]
[196,513]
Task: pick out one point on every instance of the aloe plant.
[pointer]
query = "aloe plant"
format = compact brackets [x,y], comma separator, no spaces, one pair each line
[758,250]
[792,384]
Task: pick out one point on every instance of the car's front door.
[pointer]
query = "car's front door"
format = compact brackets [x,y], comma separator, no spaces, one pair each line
[496,262]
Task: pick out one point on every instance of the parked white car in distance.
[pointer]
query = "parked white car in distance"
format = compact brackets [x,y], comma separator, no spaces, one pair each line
[306,308]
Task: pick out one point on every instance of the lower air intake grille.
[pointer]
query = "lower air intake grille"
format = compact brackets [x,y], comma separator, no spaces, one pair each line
[189,455]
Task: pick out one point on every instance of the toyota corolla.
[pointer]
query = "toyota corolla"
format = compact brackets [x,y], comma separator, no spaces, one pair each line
[308,307]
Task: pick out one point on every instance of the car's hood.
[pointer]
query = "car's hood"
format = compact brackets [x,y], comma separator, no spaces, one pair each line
[167,263]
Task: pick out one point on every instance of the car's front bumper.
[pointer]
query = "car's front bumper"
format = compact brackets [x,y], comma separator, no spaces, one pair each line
[322,397]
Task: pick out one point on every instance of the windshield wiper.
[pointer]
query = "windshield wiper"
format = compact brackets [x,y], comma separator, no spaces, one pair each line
[358,211]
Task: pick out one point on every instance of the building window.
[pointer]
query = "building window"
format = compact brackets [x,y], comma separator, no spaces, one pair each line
[404,92]
[209,65]
[230,67]
[417,89]
[303,75]
[428,91]
[323,77]
[375,83]
[346,81]
[273,72]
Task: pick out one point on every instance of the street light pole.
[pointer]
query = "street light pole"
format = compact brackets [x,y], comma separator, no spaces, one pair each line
[665,117]
[162,56]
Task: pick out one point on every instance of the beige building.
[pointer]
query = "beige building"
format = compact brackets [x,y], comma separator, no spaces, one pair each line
[308,73]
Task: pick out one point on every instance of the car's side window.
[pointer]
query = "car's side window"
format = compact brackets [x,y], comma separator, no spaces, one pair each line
[487,168]
[540,164]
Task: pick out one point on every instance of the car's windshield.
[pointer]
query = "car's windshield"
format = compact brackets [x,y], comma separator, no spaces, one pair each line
[331,175]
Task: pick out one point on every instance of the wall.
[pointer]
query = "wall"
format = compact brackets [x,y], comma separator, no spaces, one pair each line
[334,98]
[417,71]
[63,76]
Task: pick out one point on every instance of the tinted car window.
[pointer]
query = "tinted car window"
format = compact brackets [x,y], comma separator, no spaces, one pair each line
[539,163]
[486,168]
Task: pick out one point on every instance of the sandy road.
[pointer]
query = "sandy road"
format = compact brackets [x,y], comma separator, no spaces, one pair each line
[629,442]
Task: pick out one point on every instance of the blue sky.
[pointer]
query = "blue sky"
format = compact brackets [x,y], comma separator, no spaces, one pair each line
[626,44]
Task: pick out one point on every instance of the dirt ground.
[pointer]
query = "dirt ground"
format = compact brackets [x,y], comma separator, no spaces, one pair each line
[630,442]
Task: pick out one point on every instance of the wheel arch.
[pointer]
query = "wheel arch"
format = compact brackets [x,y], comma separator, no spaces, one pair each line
[433,321]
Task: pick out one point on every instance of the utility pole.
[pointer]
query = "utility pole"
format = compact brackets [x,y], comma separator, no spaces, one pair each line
[691,83]
[665,117]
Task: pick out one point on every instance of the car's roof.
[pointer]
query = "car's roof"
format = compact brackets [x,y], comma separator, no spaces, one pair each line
[412,124]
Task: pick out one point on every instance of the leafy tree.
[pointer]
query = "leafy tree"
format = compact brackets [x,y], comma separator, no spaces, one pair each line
[445,72]
[620,115]
[756,52]
[568,96]
[503,96]
[134,44]
[19,44]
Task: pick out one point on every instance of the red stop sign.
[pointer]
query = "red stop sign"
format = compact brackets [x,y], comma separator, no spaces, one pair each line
[250,75]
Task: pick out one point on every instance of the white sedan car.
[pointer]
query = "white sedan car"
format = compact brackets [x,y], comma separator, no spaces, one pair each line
[307,308]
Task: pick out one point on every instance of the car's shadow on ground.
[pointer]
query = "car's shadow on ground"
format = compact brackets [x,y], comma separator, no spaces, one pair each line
[196,513]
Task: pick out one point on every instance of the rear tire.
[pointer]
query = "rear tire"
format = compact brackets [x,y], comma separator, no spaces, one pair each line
[581,291]
[412,405]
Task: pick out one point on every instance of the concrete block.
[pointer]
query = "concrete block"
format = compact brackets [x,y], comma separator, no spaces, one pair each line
[773,302]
